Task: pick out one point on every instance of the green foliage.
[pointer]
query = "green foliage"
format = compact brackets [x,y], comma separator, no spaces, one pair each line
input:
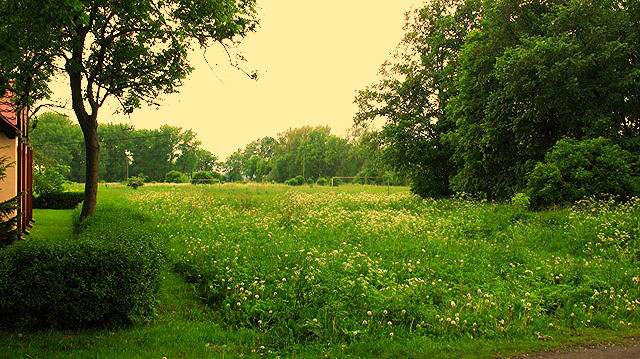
[322,181]
[521,200]
[108,274]
[136,181]
[9,214]
[479,91]
[48,176]
[573,170]
[122,149]
[307,151]
[312,266]
[203,177]
[176,177]
[525,82]
[296,181]
[58,200]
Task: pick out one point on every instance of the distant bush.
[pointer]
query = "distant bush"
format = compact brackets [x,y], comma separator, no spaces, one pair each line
[203,177]
[573,170]
[109,274]
[322,181]
[49,179]
[296,181]
[62,200]
[136,181]
[176,177]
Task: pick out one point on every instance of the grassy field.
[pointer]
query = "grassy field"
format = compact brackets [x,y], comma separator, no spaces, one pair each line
[361,271]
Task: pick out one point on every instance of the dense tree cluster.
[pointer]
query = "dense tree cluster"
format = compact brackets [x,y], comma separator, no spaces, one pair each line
[479,91]
[125,151]
[309,152]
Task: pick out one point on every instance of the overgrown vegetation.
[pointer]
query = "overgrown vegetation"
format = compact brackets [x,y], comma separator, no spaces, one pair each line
[354,271]
[318,265]
[480,91]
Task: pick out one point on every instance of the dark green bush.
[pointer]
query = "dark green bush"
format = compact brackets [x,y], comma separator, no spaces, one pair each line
[576,169]
[322,181]
[176,177]
[107,275]
[203,177]
[296,181]
[62,200]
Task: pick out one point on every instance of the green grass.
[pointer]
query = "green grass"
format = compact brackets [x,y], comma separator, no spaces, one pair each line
[52,224]
[362,271]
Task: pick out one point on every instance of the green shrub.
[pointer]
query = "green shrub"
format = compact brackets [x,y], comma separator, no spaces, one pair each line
[136,181]
[577,169]
[63,200]
[176,177]
[203,177]
[296,181]
[107,275]
[521,200]
[49,179]
[322,181]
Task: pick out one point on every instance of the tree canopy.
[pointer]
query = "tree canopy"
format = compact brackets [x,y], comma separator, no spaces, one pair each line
[125,151]
[480,90]
[133,51]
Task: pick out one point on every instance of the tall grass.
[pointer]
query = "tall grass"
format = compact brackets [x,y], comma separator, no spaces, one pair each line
[334,267]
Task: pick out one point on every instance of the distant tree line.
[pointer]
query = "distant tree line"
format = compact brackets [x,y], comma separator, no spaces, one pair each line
[172,154]
[310,153]
[125,151]
[498,97]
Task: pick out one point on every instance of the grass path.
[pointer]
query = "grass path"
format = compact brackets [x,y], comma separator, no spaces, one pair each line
[52,224]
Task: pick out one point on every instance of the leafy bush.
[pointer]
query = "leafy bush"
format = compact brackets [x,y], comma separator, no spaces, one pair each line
[577,169]
[322,181]
[136,181]
[176,177]
[107,275]
[49,178]
[203,177]
[64,200]
[521,200]
[296,181]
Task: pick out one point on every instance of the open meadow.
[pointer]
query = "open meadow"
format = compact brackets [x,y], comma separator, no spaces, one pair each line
[365,271]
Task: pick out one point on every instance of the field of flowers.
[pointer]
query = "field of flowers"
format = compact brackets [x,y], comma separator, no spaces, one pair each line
[338,266]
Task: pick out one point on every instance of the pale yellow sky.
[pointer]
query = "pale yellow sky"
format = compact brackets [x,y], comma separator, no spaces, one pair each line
[311,57]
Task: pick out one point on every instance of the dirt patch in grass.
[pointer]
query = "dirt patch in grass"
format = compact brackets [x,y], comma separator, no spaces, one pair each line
[630,348]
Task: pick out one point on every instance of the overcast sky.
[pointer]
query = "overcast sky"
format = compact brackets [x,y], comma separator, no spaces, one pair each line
[311,57]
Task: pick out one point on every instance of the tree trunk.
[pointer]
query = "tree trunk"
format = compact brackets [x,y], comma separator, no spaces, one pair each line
[92,165]
[89,125]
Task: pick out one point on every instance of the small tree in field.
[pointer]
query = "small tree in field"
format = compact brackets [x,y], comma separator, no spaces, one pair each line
[130,50]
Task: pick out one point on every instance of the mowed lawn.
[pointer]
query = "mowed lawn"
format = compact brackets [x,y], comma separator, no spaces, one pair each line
[364,271]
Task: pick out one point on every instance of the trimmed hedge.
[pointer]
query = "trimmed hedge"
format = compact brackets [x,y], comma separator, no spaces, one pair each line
[62,200]
[107,275]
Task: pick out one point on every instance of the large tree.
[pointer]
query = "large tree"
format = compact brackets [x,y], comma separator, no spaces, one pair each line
[130,50]
[415,88]
[535,73]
